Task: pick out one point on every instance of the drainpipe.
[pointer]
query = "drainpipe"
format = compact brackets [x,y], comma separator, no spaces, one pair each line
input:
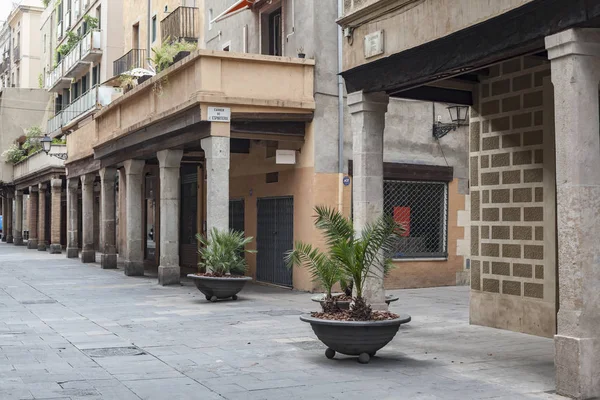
[340,111]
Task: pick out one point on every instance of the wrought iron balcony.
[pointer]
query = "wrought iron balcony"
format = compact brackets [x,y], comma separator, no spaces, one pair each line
[17,53]
[182,23]
[134,58]
[3,66]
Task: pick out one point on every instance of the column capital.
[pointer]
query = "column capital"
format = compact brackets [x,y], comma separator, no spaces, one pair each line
[56,184]
[43,187]
[575,41]
[33,188]
[19,193]
[169,158]
[216,146]
[88,179]
[134,167]
[374,102]
[107,173]
[73,183]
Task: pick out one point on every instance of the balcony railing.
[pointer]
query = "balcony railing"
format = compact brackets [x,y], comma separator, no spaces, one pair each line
[54,76]
[3,66]
[91,43]
[134,58]
[81,106]
[86,50]
[72,58]
[17,53]
[38,162]
[182,23]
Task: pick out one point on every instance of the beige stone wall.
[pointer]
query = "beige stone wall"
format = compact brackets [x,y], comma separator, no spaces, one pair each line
[512,200]
[423,21]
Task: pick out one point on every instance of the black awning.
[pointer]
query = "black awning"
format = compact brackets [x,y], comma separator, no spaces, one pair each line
[517,32]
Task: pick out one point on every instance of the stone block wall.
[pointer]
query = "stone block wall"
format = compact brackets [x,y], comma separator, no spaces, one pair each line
[512,199]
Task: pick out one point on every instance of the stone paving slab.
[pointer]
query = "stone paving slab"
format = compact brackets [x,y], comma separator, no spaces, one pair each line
[74,331]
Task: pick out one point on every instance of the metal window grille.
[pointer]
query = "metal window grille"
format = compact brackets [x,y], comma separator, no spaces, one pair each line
[422,208]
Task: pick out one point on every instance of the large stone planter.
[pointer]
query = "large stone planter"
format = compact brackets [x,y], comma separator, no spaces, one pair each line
[355,338]
[345,304]
[219,288]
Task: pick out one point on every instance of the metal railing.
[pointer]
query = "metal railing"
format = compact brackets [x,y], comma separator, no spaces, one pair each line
[72,58]
[182,23]
[17,53]
[54,76]
[3,66]
[80,105]
[54,123]
[92,40]
[422,208]
[134,58]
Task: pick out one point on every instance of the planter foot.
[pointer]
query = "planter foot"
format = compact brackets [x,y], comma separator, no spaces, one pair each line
[234,297]
[207,297]
[372,354]
[364,358]
[213,299]
[329,353]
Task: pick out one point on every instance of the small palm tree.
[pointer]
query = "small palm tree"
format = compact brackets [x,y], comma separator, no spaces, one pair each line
[223,253]
[356,257]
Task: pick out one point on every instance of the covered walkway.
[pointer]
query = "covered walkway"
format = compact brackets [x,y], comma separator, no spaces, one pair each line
[74,331]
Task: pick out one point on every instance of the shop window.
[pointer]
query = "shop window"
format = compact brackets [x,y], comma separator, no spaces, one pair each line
[422,208]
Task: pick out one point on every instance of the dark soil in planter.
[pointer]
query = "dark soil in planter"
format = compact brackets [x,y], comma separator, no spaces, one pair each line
[345,315]
[212,275]
[143,79]
[180,56]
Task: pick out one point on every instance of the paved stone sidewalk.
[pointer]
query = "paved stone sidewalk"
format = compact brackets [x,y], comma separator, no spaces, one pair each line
[74,331]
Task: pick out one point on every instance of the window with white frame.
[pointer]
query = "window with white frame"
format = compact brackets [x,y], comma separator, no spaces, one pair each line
[422,208]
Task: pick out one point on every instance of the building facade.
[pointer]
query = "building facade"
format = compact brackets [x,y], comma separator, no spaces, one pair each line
[533,143]
[24,61]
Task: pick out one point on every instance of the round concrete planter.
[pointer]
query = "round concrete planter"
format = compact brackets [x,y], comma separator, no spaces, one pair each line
[345,305]
[355,338]
[219,288]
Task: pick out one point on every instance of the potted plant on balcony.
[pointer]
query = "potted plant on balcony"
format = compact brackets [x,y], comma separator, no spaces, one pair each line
[358,331]
[301,53]
[171,52]
[222,259]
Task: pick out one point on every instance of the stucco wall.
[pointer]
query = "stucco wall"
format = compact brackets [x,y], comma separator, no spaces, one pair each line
[20,109]
[422,21]
[513,232]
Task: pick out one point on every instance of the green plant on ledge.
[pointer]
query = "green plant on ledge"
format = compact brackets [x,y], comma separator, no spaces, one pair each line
[91,23]
[41,81]
[14,154]
[72,40]
[164,55]
[17,153]
[45,2]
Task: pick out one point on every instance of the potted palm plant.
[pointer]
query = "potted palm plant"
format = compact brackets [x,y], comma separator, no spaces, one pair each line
[222,259]
[359,330]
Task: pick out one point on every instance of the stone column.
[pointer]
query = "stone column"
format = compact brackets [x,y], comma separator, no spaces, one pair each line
[134,263]
[108,245]
[42,240]
[4,221]
[56,215]
[216,150]
[72,218]
[88,254]
[575,59]
[169,269]
[368,123]
[32,243]
[9,217]
[18,224]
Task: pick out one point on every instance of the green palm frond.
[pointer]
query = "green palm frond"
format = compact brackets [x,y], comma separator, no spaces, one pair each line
[321,267]
[223,252]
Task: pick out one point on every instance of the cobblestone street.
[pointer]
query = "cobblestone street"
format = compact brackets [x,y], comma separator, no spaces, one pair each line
[74,331]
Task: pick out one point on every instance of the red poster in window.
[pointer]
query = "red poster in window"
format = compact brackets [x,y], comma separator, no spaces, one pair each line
[402,216]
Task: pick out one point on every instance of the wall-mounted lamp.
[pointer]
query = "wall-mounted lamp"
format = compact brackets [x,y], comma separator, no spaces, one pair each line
[47,146]
[458,116]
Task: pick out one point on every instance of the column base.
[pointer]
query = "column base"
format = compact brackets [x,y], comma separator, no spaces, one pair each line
[134,268]
[9,239]
[577,363]
[18,241]
[169,275]
[55,248]
[42,246]
[72,252]
[108,261]
[32,244]
[88,256]
[4,238]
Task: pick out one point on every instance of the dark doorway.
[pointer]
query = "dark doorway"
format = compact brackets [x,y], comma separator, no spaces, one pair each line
[275,236]
[236,215]
[188,245]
